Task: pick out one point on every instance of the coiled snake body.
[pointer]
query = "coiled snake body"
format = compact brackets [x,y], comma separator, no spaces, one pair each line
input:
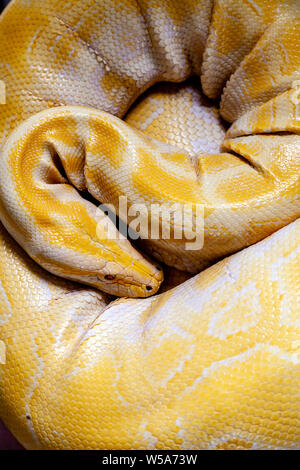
[214,362]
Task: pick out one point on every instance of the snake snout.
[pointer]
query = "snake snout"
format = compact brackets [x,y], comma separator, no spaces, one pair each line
[139,279]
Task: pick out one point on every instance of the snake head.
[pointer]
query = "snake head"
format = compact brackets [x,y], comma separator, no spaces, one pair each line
[133,275]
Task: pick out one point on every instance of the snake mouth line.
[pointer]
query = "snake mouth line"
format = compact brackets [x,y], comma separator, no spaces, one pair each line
[112,277]
[114,280]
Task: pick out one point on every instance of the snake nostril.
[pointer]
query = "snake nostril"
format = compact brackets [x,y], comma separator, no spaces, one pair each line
[149,287]
[109,277]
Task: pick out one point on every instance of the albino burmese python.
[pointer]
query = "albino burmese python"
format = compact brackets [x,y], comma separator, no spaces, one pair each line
[214,362]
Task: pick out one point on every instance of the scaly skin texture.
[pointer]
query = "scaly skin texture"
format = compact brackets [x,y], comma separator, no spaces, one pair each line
[214,362]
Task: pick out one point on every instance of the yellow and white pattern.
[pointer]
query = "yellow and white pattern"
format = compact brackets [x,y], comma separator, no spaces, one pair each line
[214,362]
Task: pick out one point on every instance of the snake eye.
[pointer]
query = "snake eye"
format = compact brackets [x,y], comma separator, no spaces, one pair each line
[149,287]
[109,277]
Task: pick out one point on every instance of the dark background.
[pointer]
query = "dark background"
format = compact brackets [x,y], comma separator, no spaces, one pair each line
[3,3]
